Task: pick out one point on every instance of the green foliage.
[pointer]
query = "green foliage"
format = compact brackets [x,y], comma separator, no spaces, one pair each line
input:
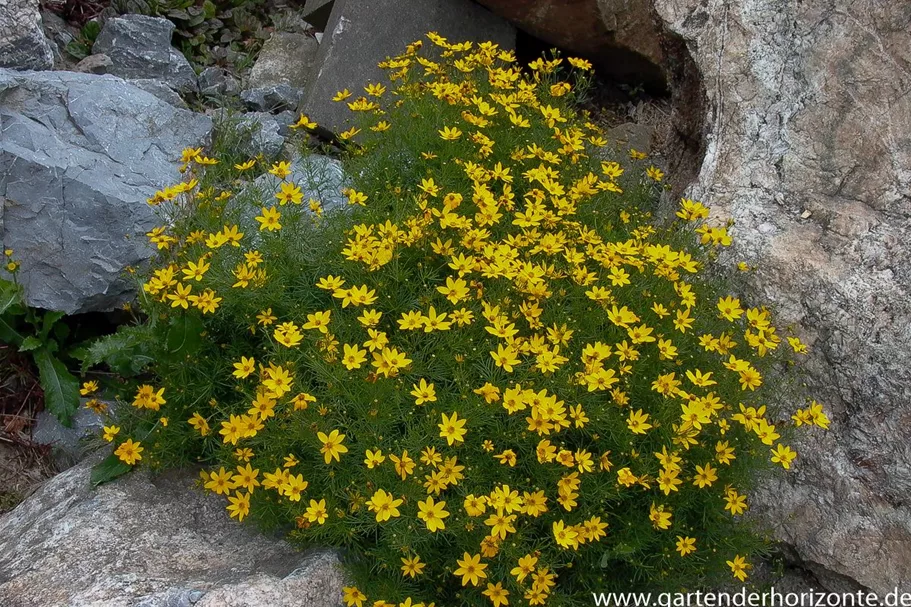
[495,331]
[39,333]
[210,32]
[81,46]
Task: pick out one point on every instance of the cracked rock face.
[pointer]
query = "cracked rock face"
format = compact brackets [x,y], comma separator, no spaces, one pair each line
[809,151]
[79,156]
[140,47]
[150,542]
[22,42]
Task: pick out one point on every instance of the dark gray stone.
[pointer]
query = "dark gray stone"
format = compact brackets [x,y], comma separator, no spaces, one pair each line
[94,64]
[140,48]
[216,81]
[23,45]
[274,98]
[317,12]
[79,156]
[161,90]
[285,58]
[361,33]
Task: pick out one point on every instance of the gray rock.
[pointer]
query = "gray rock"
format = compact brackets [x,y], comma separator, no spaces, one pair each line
[140,48]
[319,177]
[316,13]
[361,33]
[273,98]
[808,132]
[260,132]
[23,45]
[216,81]
[67,443]
[285,58]
[94,64]
[155,542]
[79,156]
[161,90]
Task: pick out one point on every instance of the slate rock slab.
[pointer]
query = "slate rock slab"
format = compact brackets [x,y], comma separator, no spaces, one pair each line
[361,33]
[79,156]
[23,44]
[151,542]
[140,47]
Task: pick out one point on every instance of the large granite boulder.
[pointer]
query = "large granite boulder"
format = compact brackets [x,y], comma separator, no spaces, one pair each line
[140,48]
[808,129]
[79,156]
[150,542]
[23,44]
[794,119]
[361,33]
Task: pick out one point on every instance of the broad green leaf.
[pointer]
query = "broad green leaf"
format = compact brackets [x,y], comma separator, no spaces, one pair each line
[49,320]
[123,352]
[8,334]
[30,343]
[10,294]
[61,388]
[183,335]
[108,469]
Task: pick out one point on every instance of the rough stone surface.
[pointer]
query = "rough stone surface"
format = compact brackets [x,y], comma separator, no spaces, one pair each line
[264,134]
[23,44]
[150,542]
[140,47]
[79,156]
[273,98]
[286,58]
[161,90]
[94,64]
[361,33]
[215,81]
[808,133]
[617,35]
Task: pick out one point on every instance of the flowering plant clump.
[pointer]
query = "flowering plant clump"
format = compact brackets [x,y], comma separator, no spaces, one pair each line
[492,378]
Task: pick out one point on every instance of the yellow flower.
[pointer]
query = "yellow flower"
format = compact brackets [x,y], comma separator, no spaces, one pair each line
[220,482]
[316,512]
[452,428]
[353,356]
[373,458]
[129,452]
[450,133]
[289,192]
[200,424]
[239,505]
[269,220]
[110,432]
[660,518]
[244,368]
[332,445]
[783,455]
[303,123]
[638,422]
[342,95]
[89,387]
[424,393]
[432,514]
[686,545]
[471,569]
[497,594]
[412,566]
[319,321]
[566,537]
[384,505]
[739,567]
